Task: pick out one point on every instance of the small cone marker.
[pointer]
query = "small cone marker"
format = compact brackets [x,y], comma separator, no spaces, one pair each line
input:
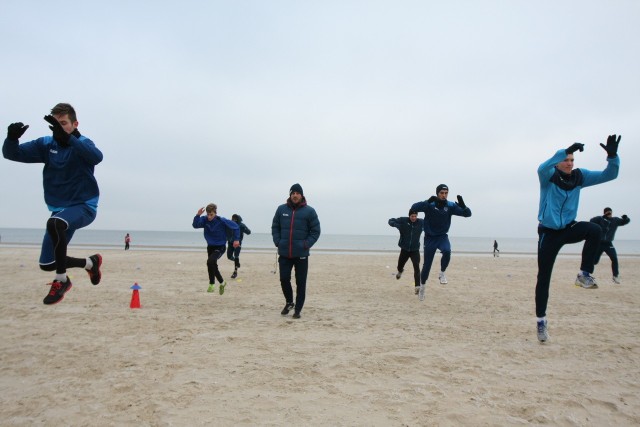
[135,297]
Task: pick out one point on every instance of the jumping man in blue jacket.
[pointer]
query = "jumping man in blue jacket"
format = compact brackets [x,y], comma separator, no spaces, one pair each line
[437,220]
[560,186]
[295,229]
[215,233]
[410,230]
[70,191]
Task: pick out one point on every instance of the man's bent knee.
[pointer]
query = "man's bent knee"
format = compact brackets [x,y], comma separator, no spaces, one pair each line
[48,267]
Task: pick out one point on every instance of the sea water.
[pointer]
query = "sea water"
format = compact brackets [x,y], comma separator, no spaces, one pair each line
[262,242]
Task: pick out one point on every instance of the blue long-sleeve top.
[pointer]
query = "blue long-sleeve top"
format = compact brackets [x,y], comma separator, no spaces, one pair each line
[67,176]
[437,215]
[215,231]
[560,193]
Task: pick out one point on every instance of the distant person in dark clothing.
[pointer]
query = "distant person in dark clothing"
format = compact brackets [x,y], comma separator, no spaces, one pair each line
[496,251]
[127,240]
[410,230]
[609,225]
[233,253]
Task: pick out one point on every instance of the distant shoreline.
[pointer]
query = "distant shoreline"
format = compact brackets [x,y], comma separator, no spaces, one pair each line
[249,249]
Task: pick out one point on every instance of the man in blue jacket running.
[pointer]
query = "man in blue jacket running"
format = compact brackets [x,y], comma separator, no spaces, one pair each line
[295,229]
[215,234]
[70,191]
[437,221]
[560,186]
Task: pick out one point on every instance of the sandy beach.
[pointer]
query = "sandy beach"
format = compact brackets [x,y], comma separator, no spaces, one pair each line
[366,351]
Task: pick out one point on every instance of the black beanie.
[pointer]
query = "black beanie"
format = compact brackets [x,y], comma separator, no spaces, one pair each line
[412,212]
[441,187]
[297,188]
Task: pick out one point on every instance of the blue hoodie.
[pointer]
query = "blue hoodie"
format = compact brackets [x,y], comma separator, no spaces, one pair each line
[67,176]
[560,193]
[215,231]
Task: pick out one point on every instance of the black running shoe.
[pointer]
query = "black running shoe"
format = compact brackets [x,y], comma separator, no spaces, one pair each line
[94,274]
[234,275]
[56,294]
[296,315]
[287,308]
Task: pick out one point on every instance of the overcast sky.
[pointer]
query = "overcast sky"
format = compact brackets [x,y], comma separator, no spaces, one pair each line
[369,105]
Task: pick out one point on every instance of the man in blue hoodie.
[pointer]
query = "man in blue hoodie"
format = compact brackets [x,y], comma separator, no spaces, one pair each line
[215,233]
[70,191]
[560,186]
[295,229]
[410,230]
[437,221]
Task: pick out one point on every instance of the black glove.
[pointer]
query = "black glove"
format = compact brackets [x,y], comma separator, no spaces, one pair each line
[575,147]
[612,146]
[461,202]
[16,130]
[59,134]
[625,217]
[432,199]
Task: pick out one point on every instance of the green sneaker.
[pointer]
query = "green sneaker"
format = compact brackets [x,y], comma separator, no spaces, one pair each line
[222,285]
[211,288]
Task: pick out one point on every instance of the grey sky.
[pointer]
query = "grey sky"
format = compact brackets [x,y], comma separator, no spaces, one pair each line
[369,105]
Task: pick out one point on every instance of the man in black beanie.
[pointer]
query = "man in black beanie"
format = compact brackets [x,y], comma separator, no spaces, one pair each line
[437,220]
[295,229]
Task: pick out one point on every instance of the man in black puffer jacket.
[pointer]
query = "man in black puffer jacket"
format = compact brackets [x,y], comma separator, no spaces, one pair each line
[410,230]
[295,229]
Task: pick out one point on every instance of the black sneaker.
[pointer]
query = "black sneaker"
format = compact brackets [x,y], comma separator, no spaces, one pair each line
[94,274]
[234,275]
[56,294]
[287,308]
[296,315]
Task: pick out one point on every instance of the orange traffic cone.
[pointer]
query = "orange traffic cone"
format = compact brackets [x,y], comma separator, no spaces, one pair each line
[135,297]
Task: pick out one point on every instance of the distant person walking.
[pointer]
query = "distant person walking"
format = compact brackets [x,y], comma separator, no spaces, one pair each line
[410,230]
[609,225]
[295,229]
[70,191]
[127,240]
[560,186]
[233,253]
[496,251]
[215,234]
[437,221]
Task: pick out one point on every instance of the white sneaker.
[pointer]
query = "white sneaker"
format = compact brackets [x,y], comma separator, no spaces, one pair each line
[443,278]
[543,335]
[586,281]
[616,280]
[421,292]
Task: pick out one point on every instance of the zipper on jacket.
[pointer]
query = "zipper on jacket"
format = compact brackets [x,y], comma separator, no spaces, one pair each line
[293,217]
